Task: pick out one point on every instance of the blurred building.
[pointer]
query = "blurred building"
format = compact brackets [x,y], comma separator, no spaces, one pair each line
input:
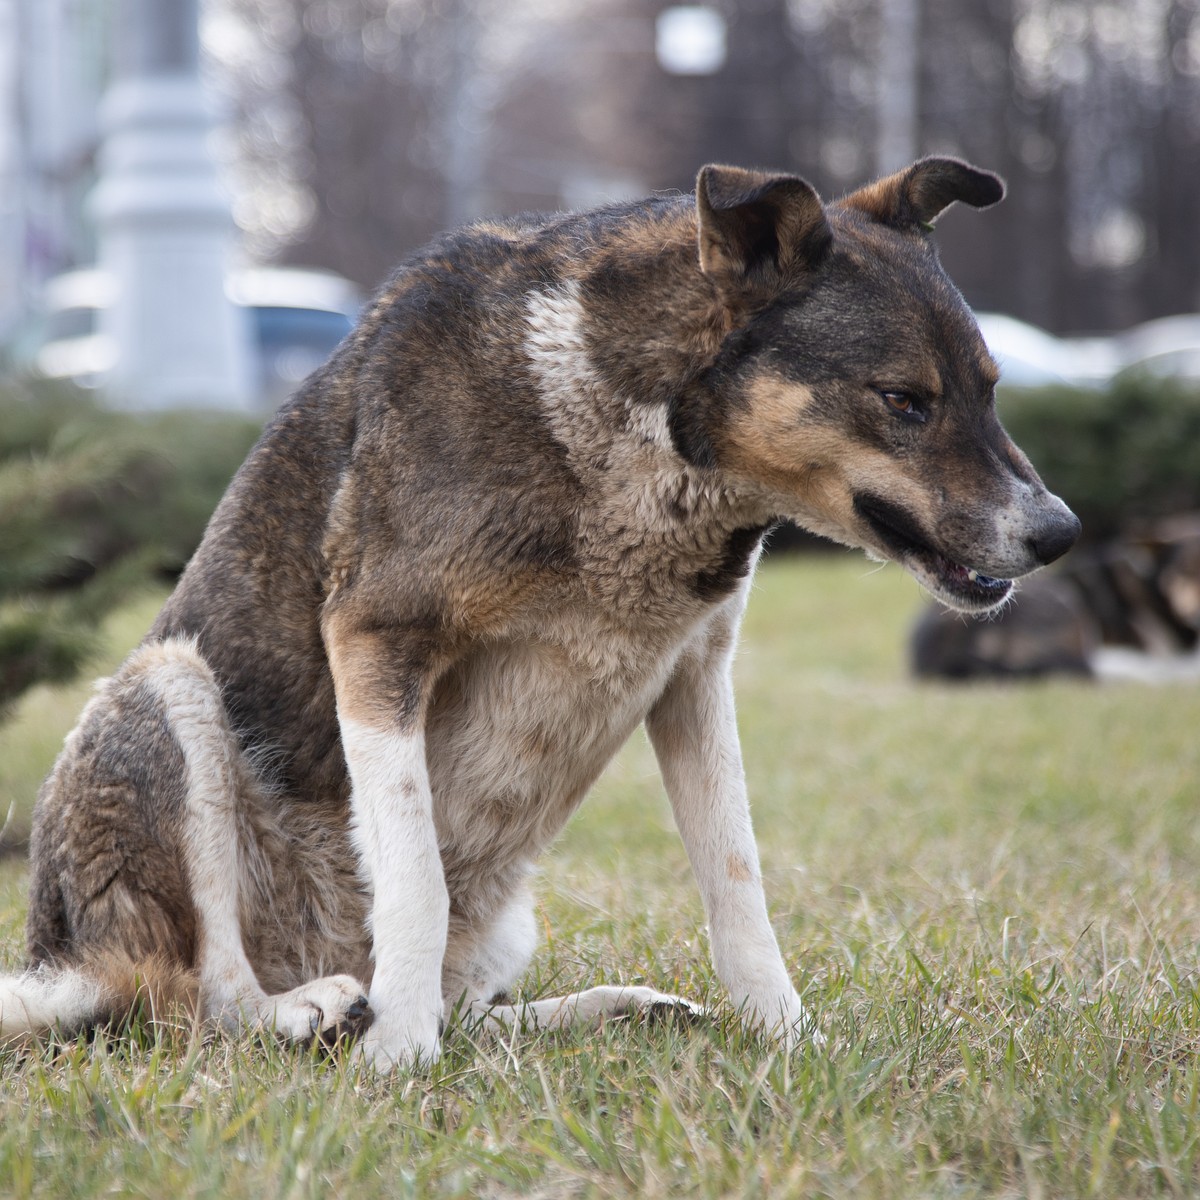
[51,75]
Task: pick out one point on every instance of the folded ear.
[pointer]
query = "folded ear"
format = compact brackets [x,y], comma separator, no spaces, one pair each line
[917,195]
[756,229]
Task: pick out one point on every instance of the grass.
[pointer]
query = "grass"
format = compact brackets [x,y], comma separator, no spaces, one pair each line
[989,894]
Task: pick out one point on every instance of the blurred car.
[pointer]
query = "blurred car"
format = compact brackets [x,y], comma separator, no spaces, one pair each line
[1168,347]
[1031,357]
[297,317]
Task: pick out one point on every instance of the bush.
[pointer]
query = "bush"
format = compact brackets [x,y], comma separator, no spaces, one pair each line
[1128,453]
[94,504]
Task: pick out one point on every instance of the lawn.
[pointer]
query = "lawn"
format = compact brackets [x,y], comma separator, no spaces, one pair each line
[990,895]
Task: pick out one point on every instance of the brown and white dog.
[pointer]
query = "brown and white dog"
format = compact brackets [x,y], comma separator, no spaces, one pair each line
[512,518]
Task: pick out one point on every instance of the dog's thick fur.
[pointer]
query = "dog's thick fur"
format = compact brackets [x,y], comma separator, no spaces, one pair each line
[512,518]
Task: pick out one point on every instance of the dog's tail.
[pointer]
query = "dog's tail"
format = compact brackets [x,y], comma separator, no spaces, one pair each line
[104,991]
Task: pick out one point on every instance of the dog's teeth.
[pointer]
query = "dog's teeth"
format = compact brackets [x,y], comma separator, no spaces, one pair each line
[972,575]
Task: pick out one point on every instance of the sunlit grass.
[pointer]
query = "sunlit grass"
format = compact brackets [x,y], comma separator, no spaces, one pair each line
[990,895]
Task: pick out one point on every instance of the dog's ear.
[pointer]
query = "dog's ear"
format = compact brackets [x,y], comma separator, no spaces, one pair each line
[757,229]
[915,196]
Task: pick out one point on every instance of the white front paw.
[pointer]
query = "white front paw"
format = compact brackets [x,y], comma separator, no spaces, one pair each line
[783,1017]
[399,1045]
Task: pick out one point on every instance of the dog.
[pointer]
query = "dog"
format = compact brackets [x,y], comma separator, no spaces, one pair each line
[512,518]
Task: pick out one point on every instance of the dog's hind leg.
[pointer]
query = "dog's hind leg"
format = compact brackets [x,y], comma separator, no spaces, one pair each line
[213,843]
[110,926]
[142,835]
[481,970]
[591,1007]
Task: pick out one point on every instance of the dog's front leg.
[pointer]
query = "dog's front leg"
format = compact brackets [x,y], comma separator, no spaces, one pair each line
[382,684]
[694,733]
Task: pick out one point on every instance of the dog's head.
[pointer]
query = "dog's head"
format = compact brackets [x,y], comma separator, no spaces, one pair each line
[854,389]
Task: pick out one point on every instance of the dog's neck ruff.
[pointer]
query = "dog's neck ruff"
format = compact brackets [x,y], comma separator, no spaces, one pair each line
[619,446]
[579,408]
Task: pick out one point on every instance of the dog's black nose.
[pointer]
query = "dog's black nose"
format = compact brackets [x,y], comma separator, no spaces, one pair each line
[1057,535]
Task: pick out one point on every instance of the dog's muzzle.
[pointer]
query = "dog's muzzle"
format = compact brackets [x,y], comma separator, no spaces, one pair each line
[964,585]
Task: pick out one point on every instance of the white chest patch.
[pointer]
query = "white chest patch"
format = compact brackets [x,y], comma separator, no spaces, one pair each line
[521,729]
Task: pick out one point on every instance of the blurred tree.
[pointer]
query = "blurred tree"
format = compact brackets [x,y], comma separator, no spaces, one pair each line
[93,506]
[375,123]
[1126,454]
[1168,201]
[367,125]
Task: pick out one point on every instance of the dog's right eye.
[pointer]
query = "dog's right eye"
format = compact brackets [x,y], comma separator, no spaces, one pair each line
[903,404]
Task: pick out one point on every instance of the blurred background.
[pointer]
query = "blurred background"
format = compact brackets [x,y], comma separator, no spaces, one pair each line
[197,195]
[345,132]
[349,131]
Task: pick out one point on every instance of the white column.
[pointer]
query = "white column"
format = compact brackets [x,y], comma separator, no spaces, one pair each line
[164,225]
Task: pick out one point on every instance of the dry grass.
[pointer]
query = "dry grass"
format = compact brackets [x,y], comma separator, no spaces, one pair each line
[989,894]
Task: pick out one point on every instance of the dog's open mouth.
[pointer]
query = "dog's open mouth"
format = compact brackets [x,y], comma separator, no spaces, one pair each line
[951,582]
